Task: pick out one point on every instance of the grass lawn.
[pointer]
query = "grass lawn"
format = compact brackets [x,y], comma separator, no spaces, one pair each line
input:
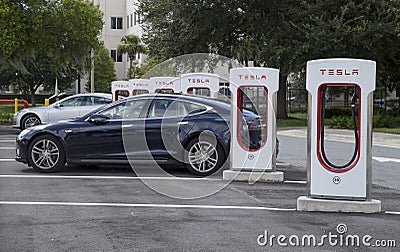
[300,119]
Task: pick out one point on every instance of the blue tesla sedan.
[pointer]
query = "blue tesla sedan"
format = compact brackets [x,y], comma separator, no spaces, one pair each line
[164,128]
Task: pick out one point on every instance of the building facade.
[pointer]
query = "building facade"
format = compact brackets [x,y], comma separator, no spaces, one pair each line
[120,19]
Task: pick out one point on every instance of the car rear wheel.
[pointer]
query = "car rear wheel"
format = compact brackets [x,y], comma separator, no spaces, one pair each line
[46,154]
[29,121]
[204,156]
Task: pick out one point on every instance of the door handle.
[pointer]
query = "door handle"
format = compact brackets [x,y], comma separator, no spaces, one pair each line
[73,131]
[127,125]
[182,123]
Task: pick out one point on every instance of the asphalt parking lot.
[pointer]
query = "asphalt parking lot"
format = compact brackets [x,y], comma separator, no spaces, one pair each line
[108,208]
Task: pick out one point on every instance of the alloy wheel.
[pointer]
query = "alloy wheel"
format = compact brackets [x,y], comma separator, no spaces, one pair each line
[203,156]
[45,154]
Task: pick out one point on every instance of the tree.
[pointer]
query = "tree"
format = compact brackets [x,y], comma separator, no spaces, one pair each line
[104,72]
[39,74]
[60,33]
[131,45]
[281,34]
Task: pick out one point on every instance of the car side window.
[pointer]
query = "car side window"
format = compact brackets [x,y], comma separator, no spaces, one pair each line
[158,108]
[168,108]
[100,100]
[75,101]
[193,108]
[87,101]
[125,110]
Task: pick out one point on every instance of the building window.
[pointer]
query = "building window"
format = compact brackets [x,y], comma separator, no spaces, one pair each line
[127,21]
[138,18]
[131,20]
[116,23]
[134,22]
[138,56]
[116,56]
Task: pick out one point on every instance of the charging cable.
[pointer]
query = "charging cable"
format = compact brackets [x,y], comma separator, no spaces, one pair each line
[322,136]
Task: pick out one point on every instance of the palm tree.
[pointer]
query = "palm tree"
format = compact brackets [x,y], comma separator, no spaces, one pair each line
[131,44]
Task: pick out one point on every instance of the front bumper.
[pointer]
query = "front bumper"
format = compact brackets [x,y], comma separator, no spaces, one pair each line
[21,150]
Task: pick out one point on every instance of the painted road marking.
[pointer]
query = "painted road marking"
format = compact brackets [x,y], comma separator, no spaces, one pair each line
[42,203]
[138,205]
[385,159]
[7,148]
[125,177]
[7,160]
[394,213]
[105,177]
[7,141]
[295,182]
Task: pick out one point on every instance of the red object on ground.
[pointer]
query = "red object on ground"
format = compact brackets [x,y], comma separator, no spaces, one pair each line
[9,101]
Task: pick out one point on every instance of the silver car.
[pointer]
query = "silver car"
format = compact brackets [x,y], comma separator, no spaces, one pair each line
[69,107]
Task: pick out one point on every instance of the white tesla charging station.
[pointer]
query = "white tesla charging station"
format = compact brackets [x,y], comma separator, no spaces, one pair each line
[165,85]
[204,84]
[343,187]
[139,86]
[254,89]
[117,86]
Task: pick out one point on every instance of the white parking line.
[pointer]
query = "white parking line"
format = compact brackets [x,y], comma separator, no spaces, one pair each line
[7,148]
[295,182]
[7,160]
[125,177]
[41,203]
[105,177]
[7,141]
[394,213]
[386,159]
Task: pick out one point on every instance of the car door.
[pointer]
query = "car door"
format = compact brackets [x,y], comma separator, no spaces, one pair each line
[104,142]
[91,103]
[167,123]
[65,109]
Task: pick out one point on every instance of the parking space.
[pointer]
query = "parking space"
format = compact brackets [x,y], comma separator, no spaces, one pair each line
[107,208]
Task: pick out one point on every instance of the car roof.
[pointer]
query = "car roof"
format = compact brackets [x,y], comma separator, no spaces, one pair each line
[193,98]
[93,94]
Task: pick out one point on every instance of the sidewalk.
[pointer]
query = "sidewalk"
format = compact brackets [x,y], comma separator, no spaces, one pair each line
[341,135]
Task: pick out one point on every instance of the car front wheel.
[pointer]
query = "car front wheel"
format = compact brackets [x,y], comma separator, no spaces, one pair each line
[46,154]
[29,121]
[204,156]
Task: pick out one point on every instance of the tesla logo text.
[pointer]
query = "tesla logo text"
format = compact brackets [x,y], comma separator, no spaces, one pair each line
[163,83]
[198,81]
[252,77]
[339,71]
[141,84]
[122,85]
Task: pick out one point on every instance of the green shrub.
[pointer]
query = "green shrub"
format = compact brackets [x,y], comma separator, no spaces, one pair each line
[337,112]
[6,118]
[340,122]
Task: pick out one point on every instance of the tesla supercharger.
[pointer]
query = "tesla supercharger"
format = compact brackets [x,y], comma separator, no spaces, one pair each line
[165,85]
[203,84]
[253,145]
[351,179]
[117,86]
[139,86]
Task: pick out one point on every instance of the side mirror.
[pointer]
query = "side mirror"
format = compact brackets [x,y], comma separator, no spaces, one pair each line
[56,106]
[98,119]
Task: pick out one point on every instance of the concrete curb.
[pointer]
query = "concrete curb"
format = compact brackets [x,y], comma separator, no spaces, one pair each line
[253,177]
[339,206]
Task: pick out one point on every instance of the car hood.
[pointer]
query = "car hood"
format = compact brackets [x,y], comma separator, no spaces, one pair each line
[34,109]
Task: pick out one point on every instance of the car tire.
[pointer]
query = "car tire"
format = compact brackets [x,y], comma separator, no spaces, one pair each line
[46,154]
[204,156]
[29,121]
